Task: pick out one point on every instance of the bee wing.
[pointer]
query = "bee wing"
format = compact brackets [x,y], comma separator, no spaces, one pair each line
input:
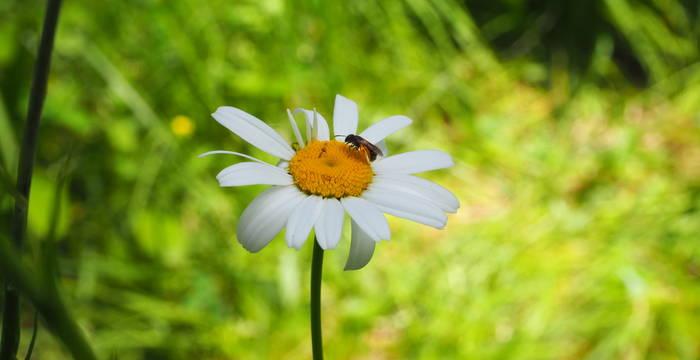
[373,147]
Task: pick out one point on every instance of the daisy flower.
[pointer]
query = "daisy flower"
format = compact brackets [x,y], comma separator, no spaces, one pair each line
[316,184]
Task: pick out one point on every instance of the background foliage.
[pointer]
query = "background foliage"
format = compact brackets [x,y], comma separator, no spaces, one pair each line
[575,127]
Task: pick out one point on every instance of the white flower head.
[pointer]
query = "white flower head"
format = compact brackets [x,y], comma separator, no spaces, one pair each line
[314,186]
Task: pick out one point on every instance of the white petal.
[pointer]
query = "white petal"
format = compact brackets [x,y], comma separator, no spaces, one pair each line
[254,131]
[230,153]
[302,220]
[266,215]
[413,162]
[380,130]
[283,164]
[309,125]
[406,205]
[345,116]
[426,189]
[322,126]
[253,173]
[382,146]
[295,128]
[329,224]
[368,217]
[361,249]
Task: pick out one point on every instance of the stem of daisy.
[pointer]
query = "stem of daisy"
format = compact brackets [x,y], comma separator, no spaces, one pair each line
[10,326]
[316,271]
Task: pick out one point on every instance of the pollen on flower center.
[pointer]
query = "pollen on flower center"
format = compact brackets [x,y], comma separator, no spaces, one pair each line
[331,169]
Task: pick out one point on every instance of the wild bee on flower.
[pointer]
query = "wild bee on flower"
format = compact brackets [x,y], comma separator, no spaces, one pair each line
[364,146]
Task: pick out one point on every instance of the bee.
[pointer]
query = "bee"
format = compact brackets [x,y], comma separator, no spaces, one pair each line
[359,143]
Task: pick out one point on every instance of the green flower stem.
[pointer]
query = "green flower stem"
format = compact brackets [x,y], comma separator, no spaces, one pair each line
[9,343]
[316,272]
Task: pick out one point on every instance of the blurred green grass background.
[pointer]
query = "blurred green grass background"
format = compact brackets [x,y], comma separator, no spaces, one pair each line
[575,128]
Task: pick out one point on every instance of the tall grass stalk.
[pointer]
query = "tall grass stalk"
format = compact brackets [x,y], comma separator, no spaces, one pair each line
[9,343]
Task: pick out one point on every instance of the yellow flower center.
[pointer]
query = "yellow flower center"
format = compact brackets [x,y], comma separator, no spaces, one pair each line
[331,169]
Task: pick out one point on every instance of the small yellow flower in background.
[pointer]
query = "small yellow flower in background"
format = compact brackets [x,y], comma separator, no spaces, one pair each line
[182,125]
